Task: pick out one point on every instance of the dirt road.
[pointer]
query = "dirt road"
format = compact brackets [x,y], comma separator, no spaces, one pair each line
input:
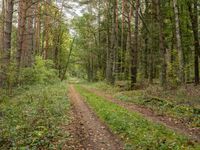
[87,131]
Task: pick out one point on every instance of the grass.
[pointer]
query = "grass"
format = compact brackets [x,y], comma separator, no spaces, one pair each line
[164,107]
[176,105]
[137,132]
[34,118]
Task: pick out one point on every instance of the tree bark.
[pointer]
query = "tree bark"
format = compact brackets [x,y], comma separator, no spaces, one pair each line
[178,42]
[134,49]
[194,21]
[110,45]
[21,34]
[5,60]
[161,44]
[122,40]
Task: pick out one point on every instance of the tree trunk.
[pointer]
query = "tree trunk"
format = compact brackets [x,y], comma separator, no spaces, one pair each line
[110,48]
[113,53]
[116,59]
[37,29]
[122,40]
[161,44]
[2,27]
[30,35]
[134,49]
[68,60]
[194,21]
[46,24]
[20,34]
[2,42]
[5,60]
[178,42]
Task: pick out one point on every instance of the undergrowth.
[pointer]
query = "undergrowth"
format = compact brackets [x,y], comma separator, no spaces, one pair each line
[33,119]
[162,102]
[137,132]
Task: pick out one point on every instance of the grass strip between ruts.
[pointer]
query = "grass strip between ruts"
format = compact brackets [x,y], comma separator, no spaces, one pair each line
[135,130]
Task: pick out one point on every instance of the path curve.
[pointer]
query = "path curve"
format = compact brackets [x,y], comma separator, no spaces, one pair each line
[91,133]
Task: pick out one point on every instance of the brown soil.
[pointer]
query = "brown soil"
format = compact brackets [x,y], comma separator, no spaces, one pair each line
[177,125]
[87,131]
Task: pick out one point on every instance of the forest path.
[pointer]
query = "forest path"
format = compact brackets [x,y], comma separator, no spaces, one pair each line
[88,132]
[172,123]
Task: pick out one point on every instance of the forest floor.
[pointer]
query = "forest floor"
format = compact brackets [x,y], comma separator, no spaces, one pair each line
[99,122]
[173,123]
[87,130]
[84,116]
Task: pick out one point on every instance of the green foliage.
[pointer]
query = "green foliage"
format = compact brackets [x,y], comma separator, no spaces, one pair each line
[173,69]
[33,119]
[88,52]
[178,107]
[44,71]
[41,73]
[104,86]
[11,73]
[138,132]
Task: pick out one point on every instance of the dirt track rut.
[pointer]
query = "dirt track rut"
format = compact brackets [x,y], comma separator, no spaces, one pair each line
[87,130]
[169,122]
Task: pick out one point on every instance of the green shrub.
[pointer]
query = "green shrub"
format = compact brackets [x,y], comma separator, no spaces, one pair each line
[41,73]
[44,71]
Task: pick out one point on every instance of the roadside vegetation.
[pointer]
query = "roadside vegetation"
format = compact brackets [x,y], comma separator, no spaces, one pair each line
[33,119]
[178,103]
[138,132]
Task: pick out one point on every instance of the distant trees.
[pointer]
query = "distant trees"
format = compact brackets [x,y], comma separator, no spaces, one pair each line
[129,40]
[147,41]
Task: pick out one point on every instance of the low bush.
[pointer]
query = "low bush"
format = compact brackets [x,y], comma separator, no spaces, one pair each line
[42,72]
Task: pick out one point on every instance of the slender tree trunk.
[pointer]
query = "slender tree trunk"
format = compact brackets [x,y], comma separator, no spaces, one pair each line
[134,49]
[116,60]
[68,60]
[37,29]
[2,27]
[145,58]
[146,37]
[47,38]
[161,44]
[2,43]
[21,34]
[152,42]
[122,40]
[5,60]
[30,35]
[178,42]
[109,67]
[113,53]
[99,65]
[194,21]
